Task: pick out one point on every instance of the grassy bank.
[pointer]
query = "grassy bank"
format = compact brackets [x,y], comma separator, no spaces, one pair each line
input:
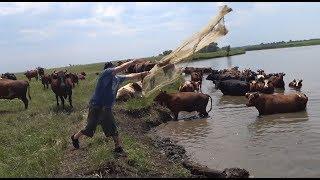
[35,142]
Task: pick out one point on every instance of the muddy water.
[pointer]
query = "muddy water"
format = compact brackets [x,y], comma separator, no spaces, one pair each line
[279,145]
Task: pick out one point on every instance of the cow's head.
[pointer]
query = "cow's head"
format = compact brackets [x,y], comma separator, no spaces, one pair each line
[299,83]
[253,98]
[161,98]
[61,76]
[267,83]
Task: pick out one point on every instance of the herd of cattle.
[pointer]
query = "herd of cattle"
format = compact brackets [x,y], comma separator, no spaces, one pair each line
[61,84]
[258,87]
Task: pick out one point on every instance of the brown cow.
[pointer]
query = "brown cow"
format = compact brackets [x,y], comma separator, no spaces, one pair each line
[32,74]
[189,70]
[81,77]
[266,87]
[10,89]
[277,80]
[61,85]
[74,78]
[197,77]
[189,86]
[46,80]
[128,91]
[184,101]
[296,84]
[277,103]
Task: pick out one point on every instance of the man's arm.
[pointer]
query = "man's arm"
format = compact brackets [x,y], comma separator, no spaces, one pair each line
[125,65]
[136,76]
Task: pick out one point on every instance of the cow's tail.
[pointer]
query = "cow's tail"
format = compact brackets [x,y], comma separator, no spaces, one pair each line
[210,103]
[28,86]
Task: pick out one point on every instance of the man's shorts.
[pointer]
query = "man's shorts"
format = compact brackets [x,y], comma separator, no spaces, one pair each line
[102,116]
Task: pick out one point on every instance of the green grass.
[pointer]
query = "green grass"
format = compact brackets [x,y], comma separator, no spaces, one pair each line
[34,142]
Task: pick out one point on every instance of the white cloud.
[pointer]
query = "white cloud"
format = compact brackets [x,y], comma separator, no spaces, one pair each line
[23,7]
[108,11]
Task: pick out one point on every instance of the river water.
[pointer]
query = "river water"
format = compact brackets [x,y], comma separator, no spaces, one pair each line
[279,145]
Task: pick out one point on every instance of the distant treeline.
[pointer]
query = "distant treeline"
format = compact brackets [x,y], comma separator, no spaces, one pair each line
[281,44]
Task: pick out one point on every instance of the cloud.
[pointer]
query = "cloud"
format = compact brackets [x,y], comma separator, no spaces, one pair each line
[23,7]
[34,34]
[108,11]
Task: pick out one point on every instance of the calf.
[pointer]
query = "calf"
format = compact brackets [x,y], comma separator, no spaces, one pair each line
[61,85]
[233,87]
[189,86]
[296,84]
[10,89]
[128,91]
[277,103]
[184,101]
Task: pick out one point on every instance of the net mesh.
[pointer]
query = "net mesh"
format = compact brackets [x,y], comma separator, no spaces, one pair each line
[165,72]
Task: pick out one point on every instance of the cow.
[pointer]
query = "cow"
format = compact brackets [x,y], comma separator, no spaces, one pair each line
[189,70]
[277,80]
[61,85]
[277,103]
[233,87]
[140,67]
[296,84]
[131,90]
[83,73]
[40,71]
[197,77]
[189,86]
[32,74]
[9,76]
[81,77]
[184,101]
[74,78]
[266,87]
[11,89]
[46,80]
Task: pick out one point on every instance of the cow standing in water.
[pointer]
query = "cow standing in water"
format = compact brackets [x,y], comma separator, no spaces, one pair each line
[184,101]
[189,86]
[277,103]
[61,85]
[11,89]
[197,77]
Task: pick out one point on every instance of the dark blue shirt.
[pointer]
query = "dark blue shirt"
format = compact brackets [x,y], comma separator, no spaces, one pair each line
[106,89]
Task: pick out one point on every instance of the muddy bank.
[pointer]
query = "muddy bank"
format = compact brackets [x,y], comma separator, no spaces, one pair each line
[139,123]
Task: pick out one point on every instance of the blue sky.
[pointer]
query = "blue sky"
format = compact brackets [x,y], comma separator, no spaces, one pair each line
[57,34]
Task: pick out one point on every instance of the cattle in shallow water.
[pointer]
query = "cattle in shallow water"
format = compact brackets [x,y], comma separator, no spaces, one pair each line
[61,85]
[296,84]
[184,101]
[233,87]
[197,77]
[11,89]
[189,70]
[190,86]
[277,80]
[277,103]
[265,87]
[128,91]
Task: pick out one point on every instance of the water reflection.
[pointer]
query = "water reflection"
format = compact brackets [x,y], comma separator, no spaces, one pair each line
[264,123]
[233,100]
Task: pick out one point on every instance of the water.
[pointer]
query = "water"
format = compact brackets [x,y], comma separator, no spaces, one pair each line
[279,145]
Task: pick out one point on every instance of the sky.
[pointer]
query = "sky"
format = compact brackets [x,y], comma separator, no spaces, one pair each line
[50,34]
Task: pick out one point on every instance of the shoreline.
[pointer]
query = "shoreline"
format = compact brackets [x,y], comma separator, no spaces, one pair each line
[170,152]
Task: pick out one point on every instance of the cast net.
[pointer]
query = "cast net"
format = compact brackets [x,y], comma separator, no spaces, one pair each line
[165,72]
